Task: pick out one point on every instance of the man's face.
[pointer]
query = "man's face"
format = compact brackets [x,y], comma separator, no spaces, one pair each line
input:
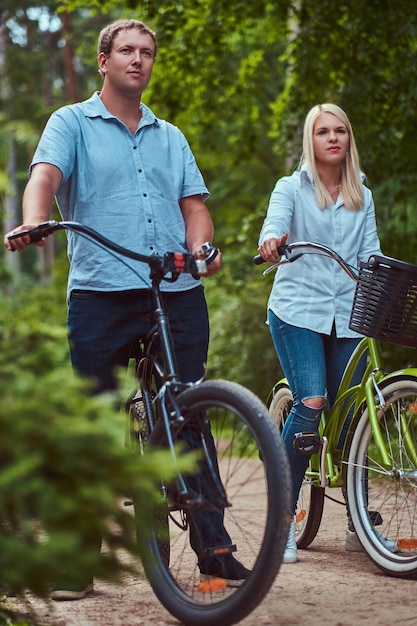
[129,65]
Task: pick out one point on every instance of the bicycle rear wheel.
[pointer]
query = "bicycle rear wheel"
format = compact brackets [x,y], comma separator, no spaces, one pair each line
[310,503]
[389,536]
[253,470]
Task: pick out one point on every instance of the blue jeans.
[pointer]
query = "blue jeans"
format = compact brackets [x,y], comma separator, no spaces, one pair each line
[103,328]
[313,364]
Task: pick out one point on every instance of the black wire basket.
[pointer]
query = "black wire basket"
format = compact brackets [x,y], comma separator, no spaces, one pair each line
[385,302]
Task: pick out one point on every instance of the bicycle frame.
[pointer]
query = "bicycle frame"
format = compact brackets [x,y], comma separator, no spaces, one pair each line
[169,383]
[327,467]
[160,268]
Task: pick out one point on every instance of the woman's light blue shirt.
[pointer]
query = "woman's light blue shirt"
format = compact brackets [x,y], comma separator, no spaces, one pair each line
[314,291]
[127,187]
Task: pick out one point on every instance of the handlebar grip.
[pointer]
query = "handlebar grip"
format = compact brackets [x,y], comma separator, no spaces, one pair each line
[258,260]
[39,232]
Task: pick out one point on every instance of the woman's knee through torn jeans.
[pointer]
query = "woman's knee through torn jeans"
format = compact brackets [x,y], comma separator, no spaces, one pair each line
[313,365]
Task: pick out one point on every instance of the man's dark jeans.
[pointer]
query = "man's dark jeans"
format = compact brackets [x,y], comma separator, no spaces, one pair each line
[104,326]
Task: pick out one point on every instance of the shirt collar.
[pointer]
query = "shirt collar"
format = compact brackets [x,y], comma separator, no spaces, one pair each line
[305,175]
[94,107]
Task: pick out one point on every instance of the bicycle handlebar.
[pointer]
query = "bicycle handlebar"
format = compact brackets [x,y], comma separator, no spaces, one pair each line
[305,247]
[36,234]
[172,262]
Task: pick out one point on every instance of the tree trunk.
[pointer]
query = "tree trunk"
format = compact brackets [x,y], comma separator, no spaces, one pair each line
[71,83]
[11,211]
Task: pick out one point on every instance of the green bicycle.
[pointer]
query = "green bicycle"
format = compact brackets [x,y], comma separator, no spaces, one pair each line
[377,463]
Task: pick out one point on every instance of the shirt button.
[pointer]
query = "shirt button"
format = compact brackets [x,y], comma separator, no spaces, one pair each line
[145,195]
[140,171]
[135,147]
[149,221]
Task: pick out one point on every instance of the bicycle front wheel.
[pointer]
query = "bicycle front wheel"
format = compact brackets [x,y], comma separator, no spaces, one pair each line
[310,503]
[383,499]
[244,477]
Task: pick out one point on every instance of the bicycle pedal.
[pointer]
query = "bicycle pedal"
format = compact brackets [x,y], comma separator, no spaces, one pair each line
[306,443]
[375,517]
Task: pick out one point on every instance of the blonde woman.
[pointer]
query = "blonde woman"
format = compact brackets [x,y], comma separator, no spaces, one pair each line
[324,201]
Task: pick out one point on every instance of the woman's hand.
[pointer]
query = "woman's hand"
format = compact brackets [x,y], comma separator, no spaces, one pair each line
[269,248]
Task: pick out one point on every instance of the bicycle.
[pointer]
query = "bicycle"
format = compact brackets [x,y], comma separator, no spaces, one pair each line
[377,465]
[242,469]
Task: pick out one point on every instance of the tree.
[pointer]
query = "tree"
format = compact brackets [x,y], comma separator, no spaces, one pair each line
[38,73]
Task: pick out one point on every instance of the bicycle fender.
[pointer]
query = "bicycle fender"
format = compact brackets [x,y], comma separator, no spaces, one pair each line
[403,374]
[280,383]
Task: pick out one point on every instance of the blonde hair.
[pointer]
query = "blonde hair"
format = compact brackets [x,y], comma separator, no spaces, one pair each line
[350,181]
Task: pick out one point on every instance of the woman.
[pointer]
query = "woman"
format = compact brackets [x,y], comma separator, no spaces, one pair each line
[324,201]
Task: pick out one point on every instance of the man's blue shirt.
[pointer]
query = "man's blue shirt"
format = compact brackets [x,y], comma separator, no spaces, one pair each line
[127,187]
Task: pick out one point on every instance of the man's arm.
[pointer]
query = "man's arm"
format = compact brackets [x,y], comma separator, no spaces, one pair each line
[37,203]
[199,228]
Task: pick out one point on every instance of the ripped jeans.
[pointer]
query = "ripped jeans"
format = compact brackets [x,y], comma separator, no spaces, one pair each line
[313,364]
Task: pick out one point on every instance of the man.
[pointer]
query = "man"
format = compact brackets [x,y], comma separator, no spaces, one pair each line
[114,166]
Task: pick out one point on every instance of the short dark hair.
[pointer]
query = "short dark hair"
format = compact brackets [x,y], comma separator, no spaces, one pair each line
[108,34]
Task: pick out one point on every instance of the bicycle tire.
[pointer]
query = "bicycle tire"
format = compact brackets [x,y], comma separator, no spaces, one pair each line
[310,503]
[254,470]
[393,494]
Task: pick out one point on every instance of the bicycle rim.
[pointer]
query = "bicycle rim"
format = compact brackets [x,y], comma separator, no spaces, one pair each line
[389,492]
[310,503]
[254,472]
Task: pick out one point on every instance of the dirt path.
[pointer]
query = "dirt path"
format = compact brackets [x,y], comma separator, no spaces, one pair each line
[327,586]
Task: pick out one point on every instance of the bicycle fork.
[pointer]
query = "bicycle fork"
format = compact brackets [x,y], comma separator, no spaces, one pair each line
[372,389]
[175,422]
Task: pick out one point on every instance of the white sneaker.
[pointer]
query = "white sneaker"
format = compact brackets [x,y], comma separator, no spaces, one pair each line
[353,544]
[290,552]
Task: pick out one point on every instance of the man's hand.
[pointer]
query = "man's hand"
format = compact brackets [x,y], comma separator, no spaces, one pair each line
[213,268]
[21,243]
[211,255]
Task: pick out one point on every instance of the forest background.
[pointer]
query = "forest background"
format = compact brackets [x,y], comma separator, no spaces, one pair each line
[238,78]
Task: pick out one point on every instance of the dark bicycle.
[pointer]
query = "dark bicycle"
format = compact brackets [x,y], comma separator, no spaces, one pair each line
[242,472]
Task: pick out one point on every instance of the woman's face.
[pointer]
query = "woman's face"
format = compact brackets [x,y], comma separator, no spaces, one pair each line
[330,139]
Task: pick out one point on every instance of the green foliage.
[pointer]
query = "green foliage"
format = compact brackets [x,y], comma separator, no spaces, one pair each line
[240,345]
[61,469]
[360,55]
[64,467]
[33,321]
